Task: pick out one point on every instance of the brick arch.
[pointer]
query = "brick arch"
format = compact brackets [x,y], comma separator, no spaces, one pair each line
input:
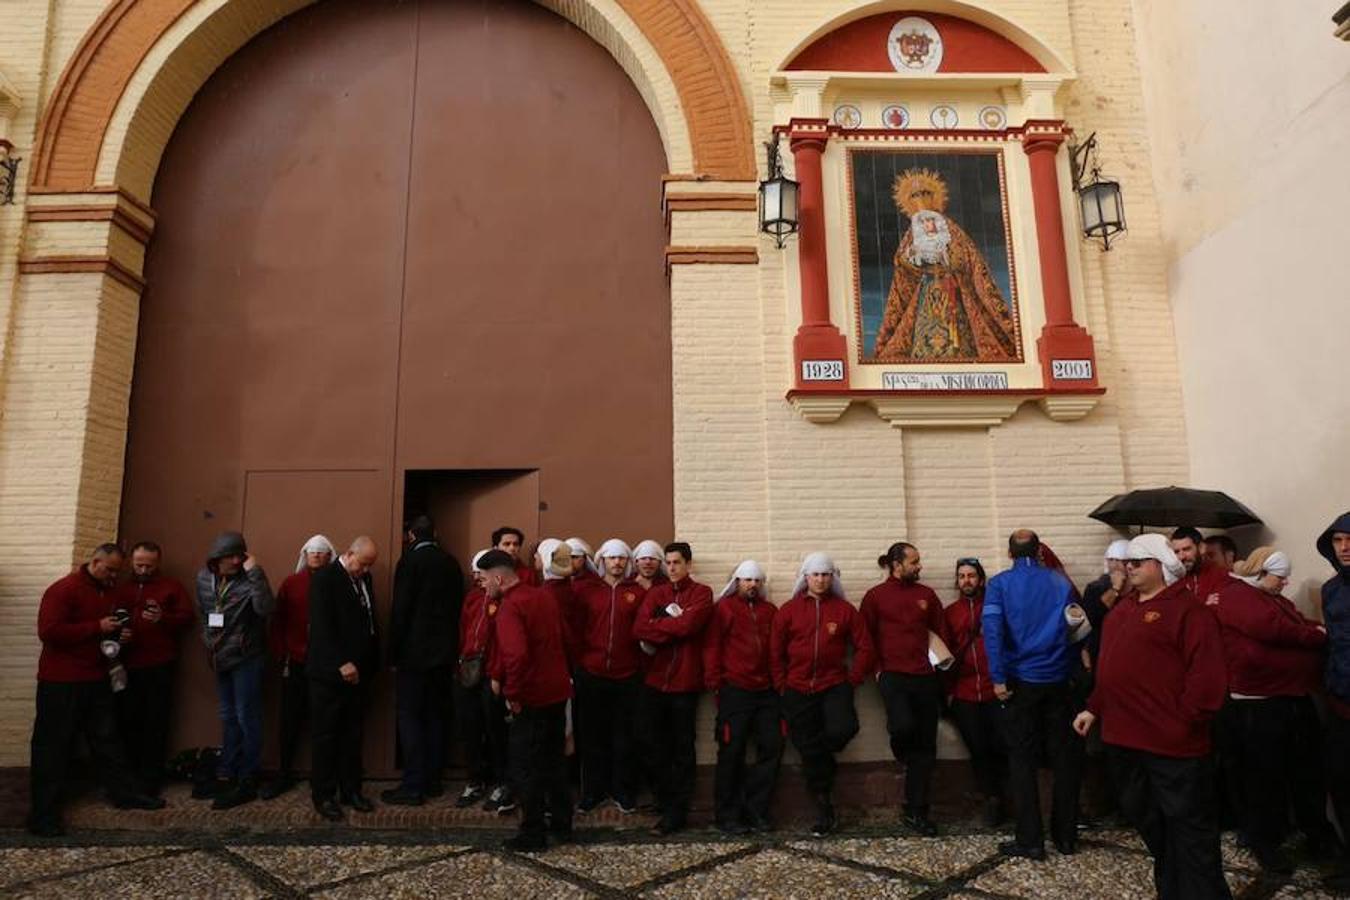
[119,56]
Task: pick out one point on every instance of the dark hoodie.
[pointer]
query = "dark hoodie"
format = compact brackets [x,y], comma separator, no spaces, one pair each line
[1336,614]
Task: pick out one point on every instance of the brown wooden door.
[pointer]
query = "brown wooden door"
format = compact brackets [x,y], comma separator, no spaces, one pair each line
[393,236]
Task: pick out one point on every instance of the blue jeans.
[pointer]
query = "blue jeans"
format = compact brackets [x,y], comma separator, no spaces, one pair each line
[240,694]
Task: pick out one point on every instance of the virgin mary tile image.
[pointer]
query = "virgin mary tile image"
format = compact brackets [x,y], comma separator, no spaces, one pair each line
[934,262]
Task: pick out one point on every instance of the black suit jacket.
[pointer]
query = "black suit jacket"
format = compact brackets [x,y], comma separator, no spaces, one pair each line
[428,597]
[340,630]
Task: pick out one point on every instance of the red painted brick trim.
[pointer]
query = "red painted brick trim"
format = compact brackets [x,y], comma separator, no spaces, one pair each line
[678,256]
[101,265]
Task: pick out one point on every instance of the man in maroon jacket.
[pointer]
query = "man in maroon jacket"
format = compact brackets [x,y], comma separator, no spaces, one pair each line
[1160,680]
[536,687]
[73,693]
[812,636]
[1202,578]
[671,622]
[900,614]
[289,637]
[608,679]
[160,609]
[736,671]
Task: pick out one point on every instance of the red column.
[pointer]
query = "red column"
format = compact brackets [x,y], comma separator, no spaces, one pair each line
[1068,359]
[819,349]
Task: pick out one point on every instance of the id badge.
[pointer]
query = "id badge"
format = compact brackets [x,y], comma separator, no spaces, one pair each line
[215,620]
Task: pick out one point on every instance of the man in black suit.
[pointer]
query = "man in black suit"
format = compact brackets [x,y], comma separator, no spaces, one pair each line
[343,658]
[423,649]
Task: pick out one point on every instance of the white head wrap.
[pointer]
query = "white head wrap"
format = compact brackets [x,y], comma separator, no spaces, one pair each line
[819,564]
[582,549]
[547,547]
[611,548]
[316,544]
[1155,546]
[747,569]
[1275,563]
[1118,550]
[476,557]
[649,549]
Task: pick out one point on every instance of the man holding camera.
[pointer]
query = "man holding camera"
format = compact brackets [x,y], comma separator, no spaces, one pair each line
[80,637]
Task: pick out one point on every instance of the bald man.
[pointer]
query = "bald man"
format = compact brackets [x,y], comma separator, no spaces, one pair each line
[343,658]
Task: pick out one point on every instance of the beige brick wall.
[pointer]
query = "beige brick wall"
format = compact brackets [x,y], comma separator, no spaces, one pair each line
[752,478]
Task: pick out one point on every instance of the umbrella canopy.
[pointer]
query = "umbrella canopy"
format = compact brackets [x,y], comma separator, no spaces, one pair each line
[1175,506]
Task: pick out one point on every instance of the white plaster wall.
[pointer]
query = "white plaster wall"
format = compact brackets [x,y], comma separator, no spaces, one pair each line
[1249,117]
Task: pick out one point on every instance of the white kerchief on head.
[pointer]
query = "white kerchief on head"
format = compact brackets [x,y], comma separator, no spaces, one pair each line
[747,569]
[1155,546]
[476,557]
[649,549]
[582,549]
[612,548]
[316,544]
[819,564]
[1278,564]
[1119,549]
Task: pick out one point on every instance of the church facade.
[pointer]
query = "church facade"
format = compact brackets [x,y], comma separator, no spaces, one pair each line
[295,267]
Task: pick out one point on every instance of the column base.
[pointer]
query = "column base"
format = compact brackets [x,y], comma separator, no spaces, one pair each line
[1068,360]
[820,353]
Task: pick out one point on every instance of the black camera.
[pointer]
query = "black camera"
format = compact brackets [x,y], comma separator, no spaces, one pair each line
[122,617]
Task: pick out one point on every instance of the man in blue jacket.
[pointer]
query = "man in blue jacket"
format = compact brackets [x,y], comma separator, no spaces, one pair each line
[1334,545]
[1027,641]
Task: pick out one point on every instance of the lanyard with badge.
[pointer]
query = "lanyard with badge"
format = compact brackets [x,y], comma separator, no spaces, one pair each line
[217,619]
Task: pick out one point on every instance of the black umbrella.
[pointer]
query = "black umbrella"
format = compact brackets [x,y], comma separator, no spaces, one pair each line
[1175,506]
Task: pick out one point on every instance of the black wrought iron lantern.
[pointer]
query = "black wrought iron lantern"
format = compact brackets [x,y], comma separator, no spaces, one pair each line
[777,199]
[1099,199]
[9,172]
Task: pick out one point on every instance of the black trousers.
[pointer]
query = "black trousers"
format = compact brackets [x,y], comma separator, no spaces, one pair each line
[65,712]
[143,714]
[538,738]
[668,733]
[741,788]
[420,701]
[498,732]
[982,729]
[473,706]
[913,707]
[1336,759]
[1171,803]
[1041,715]
[820,725]
[1230,771]
[607,743]
[1281,738]
[338,710]
[294,713]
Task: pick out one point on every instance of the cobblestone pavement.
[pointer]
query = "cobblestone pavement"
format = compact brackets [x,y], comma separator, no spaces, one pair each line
[605,862]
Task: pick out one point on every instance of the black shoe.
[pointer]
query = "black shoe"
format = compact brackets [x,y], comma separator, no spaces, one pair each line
[733,829]
[1273,860]
[138,801]
[757,823]
[561,835]
[276,787]
[330,810]
[588,804]
[471,794]
[625,805]
[920,825]
[400,797]
[506,804]
[993,812]
[1012,848]
[525,843]
[45,829]
[1066,848]
[667,826]
[208,790]
[825,824]
[432,791]
[244,791]
[359,802]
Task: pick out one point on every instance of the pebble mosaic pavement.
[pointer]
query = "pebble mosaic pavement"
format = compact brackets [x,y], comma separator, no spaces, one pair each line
[605,862]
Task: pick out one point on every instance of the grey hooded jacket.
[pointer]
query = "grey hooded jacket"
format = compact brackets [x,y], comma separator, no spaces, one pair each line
[246,601]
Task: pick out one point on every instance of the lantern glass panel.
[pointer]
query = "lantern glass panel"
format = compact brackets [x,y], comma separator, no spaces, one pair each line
[1092,209]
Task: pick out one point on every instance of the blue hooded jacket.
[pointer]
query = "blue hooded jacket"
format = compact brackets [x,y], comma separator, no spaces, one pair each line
[1025,635]
[1336,613]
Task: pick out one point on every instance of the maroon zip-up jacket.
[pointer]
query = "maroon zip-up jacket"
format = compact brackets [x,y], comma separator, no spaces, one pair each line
[68,620]
[529,636]
[809,645]
[1271,649]
[899,616]
[604,625]
[677,667]
[970,681]
[736,644]
[1161,675]
[153,643]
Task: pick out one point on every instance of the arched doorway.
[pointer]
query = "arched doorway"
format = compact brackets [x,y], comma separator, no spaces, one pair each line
[402,245]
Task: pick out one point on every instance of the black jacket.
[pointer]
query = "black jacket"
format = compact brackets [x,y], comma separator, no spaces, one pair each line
[341,629]
[1336,613]
[428,596]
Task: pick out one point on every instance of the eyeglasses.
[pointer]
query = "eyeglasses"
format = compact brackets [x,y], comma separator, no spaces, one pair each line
[1136,563]
[968,561]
